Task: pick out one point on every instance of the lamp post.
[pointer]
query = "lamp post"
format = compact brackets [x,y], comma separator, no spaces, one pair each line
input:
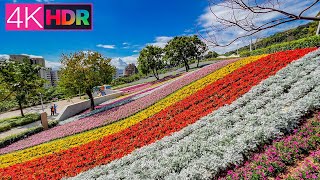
[318,29]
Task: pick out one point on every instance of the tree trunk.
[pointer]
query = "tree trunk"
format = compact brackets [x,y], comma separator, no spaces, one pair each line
[186,65]
[155,74]
[20,107]
[91,99]
[198,59]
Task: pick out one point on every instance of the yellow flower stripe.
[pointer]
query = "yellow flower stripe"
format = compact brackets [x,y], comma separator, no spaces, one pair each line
[95,134]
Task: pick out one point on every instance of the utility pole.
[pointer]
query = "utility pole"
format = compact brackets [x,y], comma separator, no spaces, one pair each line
[237,49]
[318,29]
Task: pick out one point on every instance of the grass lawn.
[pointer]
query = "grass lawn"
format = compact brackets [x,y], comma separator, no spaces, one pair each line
[9,123]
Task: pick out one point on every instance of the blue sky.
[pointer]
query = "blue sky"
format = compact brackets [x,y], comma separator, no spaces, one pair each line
[120,28]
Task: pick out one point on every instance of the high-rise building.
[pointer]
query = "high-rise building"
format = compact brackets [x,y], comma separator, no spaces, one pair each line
[119,73]
[33,59]
[54,77]
[46,73]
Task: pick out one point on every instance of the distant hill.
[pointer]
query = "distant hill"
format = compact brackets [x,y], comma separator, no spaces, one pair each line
[286,36]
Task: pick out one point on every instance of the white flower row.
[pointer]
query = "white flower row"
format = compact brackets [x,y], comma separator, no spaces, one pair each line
[225,137]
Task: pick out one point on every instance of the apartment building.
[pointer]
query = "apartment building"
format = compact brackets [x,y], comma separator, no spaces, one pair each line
[46,73]
[54,77]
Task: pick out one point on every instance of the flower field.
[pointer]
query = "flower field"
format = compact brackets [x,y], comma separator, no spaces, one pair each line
[222,138]
[125,110]
[283,154]
[139,87]
[235,119]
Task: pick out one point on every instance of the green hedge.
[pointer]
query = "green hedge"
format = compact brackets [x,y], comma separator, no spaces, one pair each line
[312,41]
[16,137]
[7,105]
[8,123]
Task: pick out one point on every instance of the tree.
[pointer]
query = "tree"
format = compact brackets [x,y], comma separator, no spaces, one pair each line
[182,49]
[211,54]
[248,18]
[150,59]
[85,70]
[21,80]
[199,48]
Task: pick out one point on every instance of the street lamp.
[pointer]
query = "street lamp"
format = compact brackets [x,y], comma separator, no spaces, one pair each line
[318,28]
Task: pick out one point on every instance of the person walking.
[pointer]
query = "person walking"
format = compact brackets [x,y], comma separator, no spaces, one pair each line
[52,110]
[55,108]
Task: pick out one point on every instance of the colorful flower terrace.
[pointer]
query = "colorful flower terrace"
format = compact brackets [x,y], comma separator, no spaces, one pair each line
[249,118]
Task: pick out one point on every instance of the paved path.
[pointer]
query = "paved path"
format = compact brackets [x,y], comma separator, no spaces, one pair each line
[19,129]
[38,109]
[35,109]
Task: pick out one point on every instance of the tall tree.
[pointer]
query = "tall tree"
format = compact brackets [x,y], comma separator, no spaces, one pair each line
[199,48]
[21,80]
[150,59]
[182,49]
[85,70]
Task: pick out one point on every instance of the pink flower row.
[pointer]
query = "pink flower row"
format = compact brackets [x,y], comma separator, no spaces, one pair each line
[139,87]
[128,98]
[309,169]
[114,114]
[280,155]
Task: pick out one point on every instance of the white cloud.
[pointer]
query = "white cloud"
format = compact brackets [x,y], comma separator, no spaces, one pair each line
[161,41]
[131,59]
[121,62]
[135,51]
[53,65]
[45,1]
[208,23]
[125,44]
[118,63]
[106,46]
[4,57]
[32,56]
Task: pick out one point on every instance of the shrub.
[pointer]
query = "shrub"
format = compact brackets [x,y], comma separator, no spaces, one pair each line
[8,123]
[16,137]
[312,41]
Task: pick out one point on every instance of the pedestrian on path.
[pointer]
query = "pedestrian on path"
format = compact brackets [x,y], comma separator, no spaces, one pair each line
[55,108]
[52,110]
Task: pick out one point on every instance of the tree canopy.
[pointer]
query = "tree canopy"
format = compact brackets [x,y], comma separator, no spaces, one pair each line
[150,59]
[85,70]
[182,49]
[20,80]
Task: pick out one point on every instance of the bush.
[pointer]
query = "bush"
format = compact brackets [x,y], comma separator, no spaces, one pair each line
[8,123]
[312,41]
[125,80]
[7,105]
